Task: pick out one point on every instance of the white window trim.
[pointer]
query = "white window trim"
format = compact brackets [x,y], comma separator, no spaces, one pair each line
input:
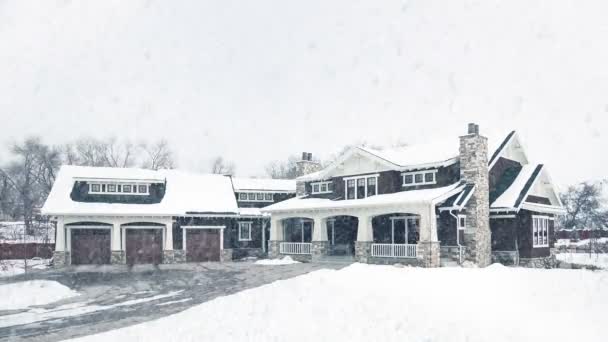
[312,187]
[356,179]
[256,195]
[465,222]
[543,227]
[116,192]
[247,224]
[423,173]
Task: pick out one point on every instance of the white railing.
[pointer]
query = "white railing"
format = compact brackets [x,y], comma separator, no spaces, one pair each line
[389,250]
[295,248]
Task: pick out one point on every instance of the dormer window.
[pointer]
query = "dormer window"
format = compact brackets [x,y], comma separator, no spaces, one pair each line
[419,178]
[95,188]
[116,188]
[361,186]
[255,196]
[322,187]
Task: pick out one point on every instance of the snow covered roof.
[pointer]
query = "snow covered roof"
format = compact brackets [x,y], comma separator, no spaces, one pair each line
[185,193]
[251,212]
[264,184]
[401,198]
[419,155]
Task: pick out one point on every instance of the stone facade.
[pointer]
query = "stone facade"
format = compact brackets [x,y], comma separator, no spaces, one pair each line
[319,249]
[61,259]
[273,249]
[428,253]
[118,257]
[363,251]
[474,170]
[179,256]
[304,167]
[505,257]
[226,255]
[169,257]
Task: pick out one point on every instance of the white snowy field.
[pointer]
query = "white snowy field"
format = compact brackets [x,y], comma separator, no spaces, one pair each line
[386,303]
[593,259]
[24,294]
[13,267]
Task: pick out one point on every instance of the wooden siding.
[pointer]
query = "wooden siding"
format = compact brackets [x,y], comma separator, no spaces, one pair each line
[502,176]
[506,231]
[231,238]
[80,193]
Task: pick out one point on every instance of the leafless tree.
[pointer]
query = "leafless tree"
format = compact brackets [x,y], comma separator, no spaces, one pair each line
[283,169]
[119,154]
[157,155]
[220,166]
[89,152]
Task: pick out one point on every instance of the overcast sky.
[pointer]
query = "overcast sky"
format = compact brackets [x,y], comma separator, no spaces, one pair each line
[259,80]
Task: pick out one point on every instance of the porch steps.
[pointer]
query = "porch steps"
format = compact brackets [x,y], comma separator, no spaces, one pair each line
[448,262]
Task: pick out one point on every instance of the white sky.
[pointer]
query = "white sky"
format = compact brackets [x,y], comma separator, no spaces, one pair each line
[258,80]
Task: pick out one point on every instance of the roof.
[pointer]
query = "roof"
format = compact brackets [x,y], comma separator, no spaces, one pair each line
[251,212]
[264,184]
[517,191]
[500,148]
[426,196]
[459,200]
[185,193]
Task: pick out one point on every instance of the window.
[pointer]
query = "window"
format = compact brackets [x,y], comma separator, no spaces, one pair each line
[111,187]
[540,231]
[350,189]
[95,188]
[371,186]
[322,187]
[462,222]
[268,196]
[255,196]
[244,231]
[259,196]
[126,188]
[419,178]
[142,189]
[361,187]
[252,196]
[242,196]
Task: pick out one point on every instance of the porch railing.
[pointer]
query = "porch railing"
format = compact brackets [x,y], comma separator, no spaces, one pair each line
[295,248]
[389,250]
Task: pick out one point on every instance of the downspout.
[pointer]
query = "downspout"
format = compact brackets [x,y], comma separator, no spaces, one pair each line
[457,237]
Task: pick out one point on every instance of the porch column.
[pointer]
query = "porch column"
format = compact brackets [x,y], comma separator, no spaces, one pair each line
[276,236]
[116,244]
[427,250]
[60,256]
[320,245]
[365,238]
[169,237]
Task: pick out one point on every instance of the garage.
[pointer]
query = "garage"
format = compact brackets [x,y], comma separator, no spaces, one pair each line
[90,246]
[144,246]
[203,245]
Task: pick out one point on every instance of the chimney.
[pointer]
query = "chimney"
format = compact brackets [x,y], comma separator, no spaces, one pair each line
[304,167]
[474,171]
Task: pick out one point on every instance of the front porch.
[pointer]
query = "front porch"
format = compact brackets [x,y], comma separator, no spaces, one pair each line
[401,235]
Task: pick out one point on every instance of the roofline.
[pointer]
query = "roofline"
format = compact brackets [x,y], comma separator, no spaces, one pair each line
[500,148]
[528,186]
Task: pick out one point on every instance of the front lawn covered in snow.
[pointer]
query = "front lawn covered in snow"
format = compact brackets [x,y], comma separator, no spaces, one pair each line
[23,294]
[591,259]
[386,303]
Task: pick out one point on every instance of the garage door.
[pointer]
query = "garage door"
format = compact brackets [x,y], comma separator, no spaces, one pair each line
[144,246]
[202,245]
[90,246]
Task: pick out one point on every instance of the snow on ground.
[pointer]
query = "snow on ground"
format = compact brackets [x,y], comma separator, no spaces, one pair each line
[594,259]
[72,309]
[272,262]
[24,294]
[385,303]
[580,243]
[9,268]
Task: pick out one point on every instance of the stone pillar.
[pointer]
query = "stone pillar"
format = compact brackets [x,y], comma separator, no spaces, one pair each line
[276,237]
[320,245]
[428,253]
[365,238]
[118,254]
[303,167]
[474,170]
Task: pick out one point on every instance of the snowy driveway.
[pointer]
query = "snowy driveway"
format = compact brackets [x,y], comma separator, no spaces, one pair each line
[112,296]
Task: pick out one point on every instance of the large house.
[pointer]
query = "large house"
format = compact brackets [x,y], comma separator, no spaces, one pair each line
[123,215]
[442,203]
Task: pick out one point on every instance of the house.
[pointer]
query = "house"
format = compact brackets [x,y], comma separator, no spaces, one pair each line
[444,202]
[125,215]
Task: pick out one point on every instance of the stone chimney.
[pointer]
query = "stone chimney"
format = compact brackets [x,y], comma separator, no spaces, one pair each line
[474,170]
[303,167]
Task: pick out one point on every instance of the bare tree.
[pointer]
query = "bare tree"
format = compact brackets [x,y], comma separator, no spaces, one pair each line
[220,166]
[283,169]
[90,152]
[157,155]
[119,154]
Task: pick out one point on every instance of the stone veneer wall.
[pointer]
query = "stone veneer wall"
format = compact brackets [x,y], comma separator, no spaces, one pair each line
[225,255]
[428,253]
[304,167]
[474,170]
[61,259]
[118,257]
[319,249]
[273,249]
[363,251]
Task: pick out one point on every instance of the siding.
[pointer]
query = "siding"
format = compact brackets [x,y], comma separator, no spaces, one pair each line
[502,176]
[80,193]
[505,231]
[277,197]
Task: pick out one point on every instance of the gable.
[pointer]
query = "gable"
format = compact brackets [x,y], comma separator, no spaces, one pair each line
[511,148]
[357,164]
[543,190]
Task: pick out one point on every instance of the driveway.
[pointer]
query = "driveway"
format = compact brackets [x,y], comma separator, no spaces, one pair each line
[117,296]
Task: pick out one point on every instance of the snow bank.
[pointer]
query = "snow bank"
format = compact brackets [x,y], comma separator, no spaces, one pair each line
[33,292]
[9,268]
[285,261]
[599,259]
[385,303]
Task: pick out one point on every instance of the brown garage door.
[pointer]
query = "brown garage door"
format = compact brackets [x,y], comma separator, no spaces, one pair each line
[90,246]
[202,245]
[144,246]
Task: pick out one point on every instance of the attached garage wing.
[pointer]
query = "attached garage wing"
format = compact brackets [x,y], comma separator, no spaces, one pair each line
[144,246]
[90,246]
